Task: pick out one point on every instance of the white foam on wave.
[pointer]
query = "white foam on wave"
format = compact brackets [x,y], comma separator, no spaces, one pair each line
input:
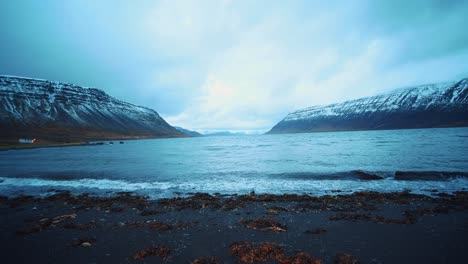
[103,184]
[321,187]
[10,186]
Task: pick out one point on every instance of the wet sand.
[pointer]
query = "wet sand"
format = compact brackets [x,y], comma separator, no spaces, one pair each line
[364,227]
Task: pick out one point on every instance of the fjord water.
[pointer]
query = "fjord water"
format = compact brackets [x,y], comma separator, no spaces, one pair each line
[313,163]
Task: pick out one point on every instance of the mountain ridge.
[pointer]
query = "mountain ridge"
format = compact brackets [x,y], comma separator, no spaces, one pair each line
[64,112]
[422,106]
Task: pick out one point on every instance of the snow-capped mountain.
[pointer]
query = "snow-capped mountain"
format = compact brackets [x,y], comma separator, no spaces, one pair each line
[424,106]
[55,111]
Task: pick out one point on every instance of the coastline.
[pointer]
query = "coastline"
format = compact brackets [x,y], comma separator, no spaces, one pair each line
[17,146]
[40,145]
[369,227]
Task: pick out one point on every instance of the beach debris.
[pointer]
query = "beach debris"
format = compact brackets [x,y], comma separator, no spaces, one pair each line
[357,201]
[317,231]
[264,224]
[197,201]
[300,258]
[203,201]
[413,214]
[372,218]
[83,242]
[113,204]
[248,252]
[401,201]
[232,204]
[159,251]
[276,210]
[61,218]
[206,260]
[351,217]
[337,203]
[160,226]
[44,223]
[116,209]
[352,202]
[148,212]
[342,258]
[265,198]
[152,224]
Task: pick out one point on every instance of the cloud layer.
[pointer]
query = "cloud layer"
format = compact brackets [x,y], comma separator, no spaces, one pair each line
[236,65]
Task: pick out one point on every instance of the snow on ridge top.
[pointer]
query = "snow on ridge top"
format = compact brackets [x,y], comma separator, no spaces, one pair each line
[28,85]
[423,89]
[44,80]
[405,97]
[463,82]
[21,77]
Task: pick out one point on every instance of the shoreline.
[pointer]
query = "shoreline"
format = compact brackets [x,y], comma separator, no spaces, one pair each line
[18,146]
[41,145]
[369,227]
[429,183]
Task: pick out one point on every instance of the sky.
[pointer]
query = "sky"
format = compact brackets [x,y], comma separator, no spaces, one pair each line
[235,65]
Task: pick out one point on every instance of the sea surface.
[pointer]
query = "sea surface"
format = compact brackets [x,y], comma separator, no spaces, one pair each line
[312,163]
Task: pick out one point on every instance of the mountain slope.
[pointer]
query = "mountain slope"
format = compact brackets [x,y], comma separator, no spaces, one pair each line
[188,132]
[55,111]
[424,106]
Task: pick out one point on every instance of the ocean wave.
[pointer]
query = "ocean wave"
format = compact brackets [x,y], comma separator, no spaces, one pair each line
[17,186]
[345,175]
[78,178]
[105,184]
[429,175]
[372,175]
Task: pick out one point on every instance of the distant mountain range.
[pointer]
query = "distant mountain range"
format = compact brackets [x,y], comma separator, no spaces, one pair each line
[189,132]
[63,112]
[424,106]
[220,133]
[225,133]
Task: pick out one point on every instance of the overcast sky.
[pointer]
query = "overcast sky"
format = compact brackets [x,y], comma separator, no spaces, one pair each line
[235,65]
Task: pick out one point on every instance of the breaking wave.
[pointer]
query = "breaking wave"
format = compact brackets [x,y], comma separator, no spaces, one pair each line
[316,163]
[158,189]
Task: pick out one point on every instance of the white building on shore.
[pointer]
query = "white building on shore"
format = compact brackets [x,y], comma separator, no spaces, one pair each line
[27,140]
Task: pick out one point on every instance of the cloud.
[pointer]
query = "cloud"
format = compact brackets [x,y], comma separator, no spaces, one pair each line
[282,63]
[236,65]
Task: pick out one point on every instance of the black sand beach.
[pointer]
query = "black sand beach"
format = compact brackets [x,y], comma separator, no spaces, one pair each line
[364,227]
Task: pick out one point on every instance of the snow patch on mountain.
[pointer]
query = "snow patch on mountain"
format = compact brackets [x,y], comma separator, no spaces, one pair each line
[402,99]
[30,102]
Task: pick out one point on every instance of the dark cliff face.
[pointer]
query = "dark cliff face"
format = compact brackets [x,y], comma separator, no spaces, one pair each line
[425,106]
[55,111]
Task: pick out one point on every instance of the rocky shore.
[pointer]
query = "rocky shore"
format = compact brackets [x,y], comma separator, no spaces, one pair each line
[364,227]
